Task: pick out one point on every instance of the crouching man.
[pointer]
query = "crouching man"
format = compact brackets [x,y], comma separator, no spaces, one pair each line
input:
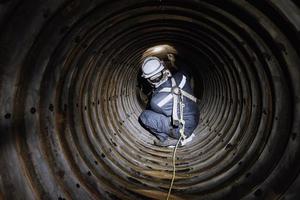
[173,108]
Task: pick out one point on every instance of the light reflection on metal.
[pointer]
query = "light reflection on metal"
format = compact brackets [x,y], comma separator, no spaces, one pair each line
[157,49]
[160,51]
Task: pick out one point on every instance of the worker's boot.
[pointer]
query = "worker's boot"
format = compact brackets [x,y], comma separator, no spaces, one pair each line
[187,140]
[170,142]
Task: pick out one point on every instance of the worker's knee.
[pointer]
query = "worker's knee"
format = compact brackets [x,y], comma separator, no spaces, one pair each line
[144,117]
[154,121]
[147,119]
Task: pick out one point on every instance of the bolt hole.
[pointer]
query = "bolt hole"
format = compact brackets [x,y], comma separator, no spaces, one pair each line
[89,173]
[77,185]
[294,136]
[102,155]
[51,107]
[248,174]
[96,163]
[228,146]
[32,110]
[258,193]
[7,116]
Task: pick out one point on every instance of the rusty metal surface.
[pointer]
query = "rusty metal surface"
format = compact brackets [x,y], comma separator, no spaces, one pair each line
[69,99]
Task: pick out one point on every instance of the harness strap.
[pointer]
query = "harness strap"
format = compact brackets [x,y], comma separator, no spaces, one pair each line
[176,93]
[175,103]
[173,82]
[183,81]
[189,96]
[169,90]
[184,93]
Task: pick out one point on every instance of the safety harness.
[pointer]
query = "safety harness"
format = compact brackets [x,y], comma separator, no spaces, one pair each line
[177,93]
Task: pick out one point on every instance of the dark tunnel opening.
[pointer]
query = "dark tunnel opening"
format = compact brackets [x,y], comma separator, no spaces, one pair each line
[70,98]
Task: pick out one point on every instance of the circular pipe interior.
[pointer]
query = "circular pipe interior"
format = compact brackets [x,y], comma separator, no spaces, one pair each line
[70,97]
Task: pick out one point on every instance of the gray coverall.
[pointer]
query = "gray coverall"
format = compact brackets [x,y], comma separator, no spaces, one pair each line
[158,119]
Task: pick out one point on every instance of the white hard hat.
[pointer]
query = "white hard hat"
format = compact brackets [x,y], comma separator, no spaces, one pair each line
[151,66]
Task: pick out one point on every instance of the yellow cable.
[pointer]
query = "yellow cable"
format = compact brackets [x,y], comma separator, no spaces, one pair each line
[174,168]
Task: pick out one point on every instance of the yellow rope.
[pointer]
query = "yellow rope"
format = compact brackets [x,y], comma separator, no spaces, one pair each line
[181,131]
[174,167]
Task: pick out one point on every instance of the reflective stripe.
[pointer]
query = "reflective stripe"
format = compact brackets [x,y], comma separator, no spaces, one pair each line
[175,107]
[173,82]
[166,90]
[183,81]
[187,95]
[165,100]
[175,97]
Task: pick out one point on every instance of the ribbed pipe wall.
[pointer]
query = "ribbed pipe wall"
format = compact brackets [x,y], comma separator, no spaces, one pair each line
[70,99]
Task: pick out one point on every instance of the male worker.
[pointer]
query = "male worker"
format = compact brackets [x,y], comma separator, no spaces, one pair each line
[171,95]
